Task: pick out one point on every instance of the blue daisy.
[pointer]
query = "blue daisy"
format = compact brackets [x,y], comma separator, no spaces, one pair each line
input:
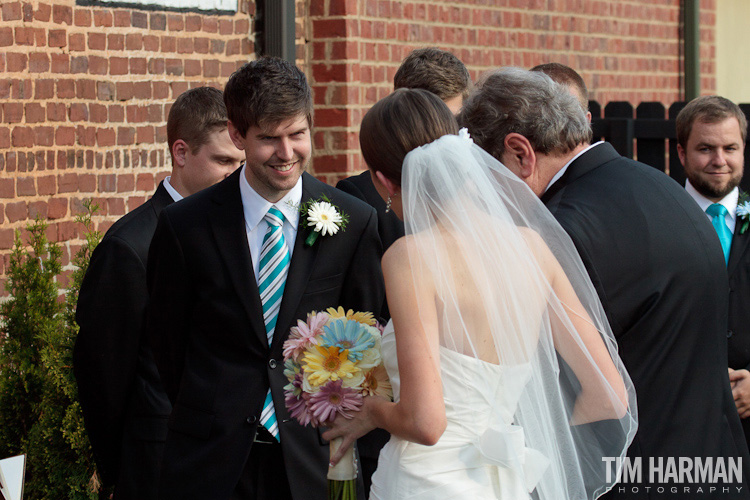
[350,335]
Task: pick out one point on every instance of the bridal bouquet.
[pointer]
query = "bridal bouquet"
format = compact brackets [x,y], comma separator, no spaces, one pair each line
[332,361]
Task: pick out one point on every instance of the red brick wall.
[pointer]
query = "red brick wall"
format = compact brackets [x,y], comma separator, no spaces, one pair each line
[625,50]
[85,92]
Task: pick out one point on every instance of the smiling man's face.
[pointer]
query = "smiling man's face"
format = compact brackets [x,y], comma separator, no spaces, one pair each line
[713,157]
[275,157]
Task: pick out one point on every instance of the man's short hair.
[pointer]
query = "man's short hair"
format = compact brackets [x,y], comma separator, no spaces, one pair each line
[566,75]
[265,92]
[435,70]
[528,103]
[708,109]
[194,116]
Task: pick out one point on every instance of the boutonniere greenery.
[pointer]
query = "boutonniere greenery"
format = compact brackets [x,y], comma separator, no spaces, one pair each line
[322,217]
[743,211]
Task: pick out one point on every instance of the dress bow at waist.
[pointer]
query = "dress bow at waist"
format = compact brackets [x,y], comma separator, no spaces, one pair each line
[505,446]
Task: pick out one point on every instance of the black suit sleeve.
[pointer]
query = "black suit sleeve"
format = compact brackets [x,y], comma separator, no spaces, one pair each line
[110,314]
[169,305]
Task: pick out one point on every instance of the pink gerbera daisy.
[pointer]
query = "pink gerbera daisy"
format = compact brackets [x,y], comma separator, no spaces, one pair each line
[303,335]
[297,406]
[296,400]
[334,399]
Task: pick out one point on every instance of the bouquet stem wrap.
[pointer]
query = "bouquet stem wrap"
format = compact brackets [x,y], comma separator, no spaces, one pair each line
[346,469]
[342,478]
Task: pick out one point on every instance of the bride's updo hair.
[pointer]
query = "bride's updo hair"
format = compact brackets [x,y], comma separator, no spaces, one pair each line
[405,120]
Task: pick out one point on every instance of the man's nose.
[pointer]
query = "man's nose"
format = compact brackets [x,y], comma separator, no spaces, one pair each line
[719,158]
[284,149]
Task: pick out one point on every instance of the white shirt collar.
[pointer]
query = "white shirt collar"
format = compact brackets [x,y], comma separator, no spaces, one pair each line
[172,191]
[255,206]
[729,201]
[562,170]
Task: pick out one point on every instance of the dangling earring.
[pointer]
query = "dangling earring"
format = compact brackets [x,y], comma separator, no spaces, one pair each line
[388,204]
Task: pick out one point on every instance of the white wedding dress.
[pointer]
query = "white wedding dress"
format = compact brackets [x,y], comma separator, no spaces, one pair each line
[535,393]
[467,462]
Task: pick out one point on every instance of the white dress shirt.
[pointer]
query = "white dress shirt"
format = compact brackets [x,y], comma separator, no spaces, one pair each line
[172,191]
[562,170]
[255,208]
[729,201]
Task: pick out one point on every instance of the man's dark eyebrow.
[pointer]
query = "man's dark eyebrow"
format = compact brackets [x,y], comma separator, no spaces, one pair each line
[301,129]
[709,145]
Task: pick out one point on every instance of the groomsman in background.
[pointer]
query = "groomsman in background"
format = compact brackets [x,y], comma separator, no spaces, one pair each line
[431,69]
[565,75]
[711,134]
[652,257]
[124,406]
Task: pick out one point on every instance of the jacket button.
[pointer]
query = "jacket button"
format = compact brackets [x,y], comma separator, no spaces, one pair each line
[729,333]
[272,363]
[251,419]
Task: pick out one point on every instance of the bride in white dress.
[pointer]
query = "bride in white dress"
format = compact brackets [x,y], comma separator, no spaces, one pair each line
[505,373]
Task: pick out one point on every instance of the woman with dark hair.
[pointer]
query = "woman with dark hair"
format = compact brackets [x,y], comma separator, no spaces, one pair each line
[505,372]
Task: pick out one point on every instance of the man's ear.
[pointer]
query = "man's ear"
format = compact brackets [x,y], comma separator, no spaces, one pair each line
[681,154]
[519,150]
[235,135]
[390,186]
[179,152]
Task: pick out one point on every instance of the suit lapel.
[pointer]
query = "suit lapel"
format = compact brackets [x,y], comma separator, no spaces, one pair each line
[300,268]
[739,246]
[228,224]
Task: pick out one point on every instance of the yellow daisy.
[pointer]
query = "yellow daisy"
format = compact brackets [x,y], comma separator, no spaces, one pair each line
[366,318]
[328,363]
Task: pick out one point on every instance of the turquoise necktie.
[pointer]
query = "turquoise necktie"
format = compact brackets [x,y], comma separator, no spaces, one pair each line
[718,215]
[272,271]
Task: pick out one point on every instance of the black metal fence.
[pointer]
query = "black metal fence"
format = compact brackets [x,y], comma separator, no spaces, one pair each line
[647,133]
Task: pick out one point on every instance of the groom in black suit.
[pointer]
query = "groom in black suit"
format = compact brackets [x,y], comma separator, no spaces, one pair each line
[217,330]
[654,260]
[711,134]
[124,407]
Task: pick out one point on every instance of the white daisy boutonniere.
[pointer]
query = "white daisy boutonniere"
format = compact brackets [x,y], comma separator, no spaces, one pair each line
[743,211]
[322,217]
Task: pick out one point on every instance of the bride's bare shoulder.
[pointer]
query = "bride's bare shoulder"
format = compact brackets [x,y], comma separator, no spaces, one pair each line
[540,249]
[533,238]
[398,252]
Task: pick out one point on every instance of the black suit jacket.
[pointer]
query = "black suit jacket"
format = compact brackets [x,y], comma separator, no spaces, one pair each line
[657,266]
[124,408]
[205,322]
[390,227]
[738,334]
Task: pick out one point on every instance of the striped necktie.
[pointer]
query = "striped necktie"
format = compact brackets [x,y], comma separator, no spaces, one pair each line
[272,272]
[718,215]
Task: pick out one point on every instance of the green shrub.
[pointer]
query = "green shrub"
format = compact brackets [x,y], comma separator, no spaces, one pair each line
[39,411]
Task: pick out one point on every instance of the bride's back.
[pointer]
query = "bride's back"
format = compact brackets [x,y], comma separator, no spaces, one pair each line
[475,292]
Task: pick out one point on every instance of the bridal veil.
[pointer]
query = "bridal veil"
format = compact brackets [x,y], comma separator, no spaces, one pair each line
[500,265]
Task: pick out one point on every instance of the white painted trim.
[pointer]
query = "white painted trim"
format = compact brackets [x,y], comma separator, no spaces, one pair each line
[222,5]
